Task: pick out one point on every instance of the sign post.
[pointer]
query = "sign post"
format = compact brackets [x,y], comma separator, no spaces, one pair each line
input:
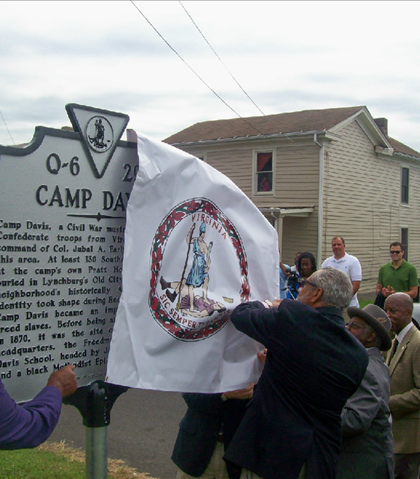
[94,403]
[63,201]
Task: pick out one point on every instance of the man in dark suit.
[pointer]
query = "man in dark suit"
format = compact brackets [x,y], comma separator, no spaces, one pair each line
[367,449]
[292,427]
[205,431]
[404,366]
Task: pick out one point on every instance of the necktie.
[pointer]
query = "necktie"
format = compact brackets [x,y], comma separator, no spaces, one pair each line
[394,347]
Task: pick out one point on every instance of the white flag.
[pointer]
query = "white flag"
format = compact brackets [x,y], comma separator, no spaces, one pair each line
[195,247]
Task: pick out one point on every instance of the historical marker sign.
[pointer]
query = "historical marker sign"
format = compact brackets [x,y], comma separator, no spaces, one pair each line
[63,202]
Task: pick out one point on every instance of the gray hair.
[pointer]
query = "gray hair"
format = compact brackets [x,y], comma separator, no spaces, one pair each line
[336,285]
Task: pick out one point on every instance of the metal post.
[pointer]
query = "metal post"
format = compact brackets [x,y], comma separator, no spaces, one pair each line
[94,403]
[96,452]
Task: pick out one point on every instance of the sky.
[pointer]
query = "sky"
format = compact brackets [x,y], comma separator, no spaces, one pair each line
[287,56]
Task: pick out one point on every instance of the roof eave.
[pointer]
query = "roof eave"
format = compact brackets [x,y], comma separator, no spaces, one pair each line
[365,120]
[405,155]
[298,134]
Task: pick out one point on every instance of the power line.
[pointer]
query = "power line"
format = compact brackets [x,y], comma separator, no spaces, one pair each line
[221,61]
[236,81]
[193,71]
[7,128]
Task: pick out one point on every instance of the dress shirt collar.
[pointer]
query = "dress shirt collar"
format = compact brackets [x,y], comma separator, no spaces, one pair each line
[401,335]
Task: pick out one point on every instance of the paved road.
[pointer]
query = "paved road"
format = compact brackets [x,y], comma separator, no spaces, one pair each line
[143,429]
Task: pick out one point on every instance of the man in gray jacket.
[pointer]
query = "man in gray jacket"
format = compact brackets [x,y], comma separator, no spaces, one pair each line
[367,449]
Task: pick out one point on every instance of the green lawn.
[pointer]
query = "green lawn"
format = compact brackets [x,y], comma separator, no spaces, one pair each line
[56,461]
[36,464]
[364,302]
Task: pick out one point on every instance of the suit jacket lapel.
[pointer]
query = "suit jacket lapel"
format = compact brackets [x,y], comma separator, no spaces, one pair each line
[400,351]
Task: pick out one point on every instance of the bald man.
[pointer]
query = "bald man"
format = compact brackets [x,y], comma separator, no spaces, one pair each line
[403,360]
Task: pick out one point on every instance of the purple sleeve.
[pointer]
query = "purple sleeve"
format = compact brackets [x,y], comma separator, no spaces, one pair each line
[30,424]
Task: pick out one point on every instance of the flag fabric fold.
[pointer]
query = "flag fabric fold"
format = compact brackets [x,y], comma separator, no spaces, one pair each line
[195,247]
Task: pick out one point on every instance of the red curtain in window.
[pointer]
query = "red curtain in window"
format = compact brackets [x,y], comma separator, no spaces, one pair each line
[262,160]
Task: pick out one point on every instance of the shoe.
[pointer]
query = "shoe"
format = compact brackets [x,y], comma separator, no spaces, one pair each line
[172,296]
[164,284]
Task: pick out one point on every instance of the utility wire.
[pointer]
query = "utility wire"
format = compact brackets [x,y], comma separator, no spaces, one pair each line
[195,73]
[226,68]
[7,128]
[221,61]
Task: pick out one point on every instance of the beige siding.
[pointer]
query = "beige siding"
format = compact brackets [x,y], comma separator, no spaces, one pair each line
[297,180]
[298,237]
[362,203]
[236,164]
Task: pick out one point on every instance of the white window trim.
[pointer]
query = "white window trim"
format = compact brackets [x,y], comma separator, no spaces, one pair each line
[255,191]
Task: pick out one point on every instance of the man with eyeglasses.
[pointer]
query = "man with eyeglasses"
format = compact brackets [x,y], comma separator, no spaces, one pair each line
[398,276]
[367,449]
[292,427]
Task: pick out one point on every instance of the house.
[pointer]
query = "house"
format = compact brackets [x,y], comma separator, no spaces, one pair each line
[319,173]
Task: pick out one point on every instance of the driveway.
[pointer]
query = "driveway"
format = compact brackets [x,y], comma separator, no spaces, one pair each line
[143,429]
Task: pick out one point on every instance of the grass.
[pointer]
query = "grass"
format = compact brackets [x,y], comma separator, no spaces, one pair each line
[364,302]
[57,461]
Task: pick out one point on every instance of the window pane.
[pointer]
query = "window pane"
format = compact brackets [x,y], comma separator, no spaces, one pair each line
[264,162]
[265,181]
[404,184]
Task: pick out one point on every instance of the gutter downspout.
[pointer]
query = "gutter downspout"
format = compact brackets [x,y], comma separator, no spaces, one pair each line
[320,200]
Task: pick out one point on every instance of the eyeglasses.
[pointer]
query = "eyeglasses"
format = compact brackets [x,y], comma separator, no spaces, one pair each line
[395,252]
[354,325]
[306,281]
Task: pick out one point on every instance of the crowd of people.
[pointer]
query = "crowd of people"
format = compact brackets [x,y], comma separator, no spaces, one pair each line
[337,398]
[339,395]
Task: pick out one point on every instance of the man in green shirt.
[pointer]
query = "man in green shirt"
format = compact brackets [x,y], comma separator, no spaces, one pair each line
[399,276]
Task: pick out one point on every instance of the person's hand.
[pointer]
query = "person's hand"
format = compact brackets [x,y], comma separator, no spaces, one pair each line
[245,393]
[262,356]
[388,291]
[275,303]
[64,379]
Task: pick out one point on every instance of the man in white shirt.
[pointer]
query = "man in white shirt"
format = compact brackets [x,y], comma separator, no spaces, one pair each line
[347,263]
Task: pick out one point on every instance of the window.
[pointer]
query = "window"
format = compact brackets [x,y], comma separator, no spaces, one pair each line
[264,167]
[405,176]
